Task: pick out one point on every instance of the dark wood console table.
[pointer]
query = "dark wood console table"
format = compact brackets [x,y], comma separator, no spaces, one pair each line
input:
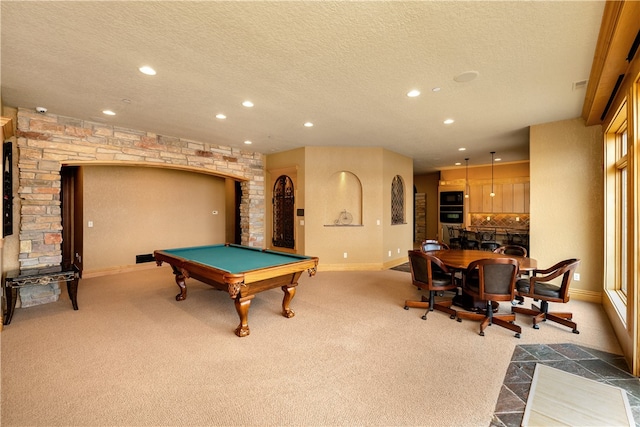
[38,276]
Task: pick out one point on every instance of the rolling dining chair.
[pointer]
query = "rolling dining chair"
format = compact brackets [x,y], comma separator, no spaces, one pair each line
[433,245]
[538,287]
[430,274]
[491,280]
[511,250]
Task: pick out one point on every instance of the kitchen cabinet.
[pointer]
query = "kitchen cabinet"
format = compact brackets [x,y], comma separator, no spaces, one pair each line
[520,197]
[475,198]
[509,198]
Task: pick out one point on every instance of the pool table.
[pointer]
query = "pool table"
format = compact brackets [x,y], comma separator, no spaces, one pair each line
[242,271]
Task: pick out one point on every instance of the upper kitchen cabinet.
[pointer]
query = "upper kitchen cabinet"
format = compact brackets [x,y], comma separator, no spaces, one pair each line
[520,197]
[509,198]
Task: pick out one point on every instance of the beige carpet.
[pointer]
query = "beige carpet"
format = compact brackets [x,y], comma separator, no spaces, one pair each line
[133,355]
[559,398]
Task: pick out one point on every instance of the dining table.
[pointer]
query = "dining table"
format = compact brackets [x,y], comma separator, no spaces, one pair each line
[459,259]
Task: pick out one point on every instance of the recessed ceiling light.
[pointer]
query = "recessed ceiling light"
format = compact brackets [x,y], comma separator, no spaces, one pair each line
[413,93]
[248,142]
[247,104]
[435,89]
[448,121]
[461,149]
[467,76]
[458,163]
[147,70]
[108,112]
[220,116]
[497,159]
[308,124]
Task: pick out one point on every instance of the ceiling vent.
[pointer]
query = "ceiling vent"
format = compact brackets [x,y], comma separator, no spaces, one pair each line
[580,84]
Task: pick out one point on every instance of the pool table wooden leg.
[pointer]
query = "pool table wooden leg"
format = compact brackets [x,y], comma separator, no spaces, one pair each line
[181,282]
[242,307]
[289,292]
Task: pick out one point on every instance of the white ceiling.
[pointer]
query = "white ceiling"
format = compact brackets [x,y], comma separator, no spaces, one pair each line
[345,66]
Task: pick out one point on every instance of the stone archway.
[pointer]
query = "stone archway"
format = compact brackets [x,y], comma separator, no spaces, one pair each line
[46,142]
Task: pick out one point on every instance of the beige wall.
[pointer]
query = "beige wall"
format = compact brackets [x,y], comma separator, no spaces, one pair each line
[137,210]
[567,200]
[369,171]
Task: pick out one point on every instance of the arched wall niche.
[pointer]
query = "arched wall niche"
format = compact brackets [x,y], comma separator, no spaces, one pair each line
[343,195]
[48,141]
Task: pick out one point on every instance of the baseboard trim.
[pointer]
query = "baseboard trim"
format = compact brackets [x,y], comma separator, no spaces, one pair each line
[589,296]
[88,274]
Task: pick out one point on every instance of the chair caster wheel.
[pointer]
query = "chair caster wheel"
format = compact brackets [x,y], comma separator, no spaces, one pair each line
[575,331]
[536,326]
[424,317]
[459,320]
[453,316]
[406,308]
[517,335]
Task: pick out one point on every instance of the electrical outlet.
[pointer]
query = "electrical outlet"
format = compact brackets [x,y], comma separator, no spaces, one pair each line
[576,277]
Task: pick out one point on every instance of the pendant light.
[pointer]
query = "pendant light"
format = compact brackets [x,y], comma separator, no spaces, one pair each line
[466,178]
[492,194]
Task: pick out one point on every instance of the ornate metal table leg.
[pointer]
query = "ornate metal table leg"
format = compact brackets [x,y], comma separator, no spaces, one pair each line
[11,296]
[72,290]
[289,293]
[242,307]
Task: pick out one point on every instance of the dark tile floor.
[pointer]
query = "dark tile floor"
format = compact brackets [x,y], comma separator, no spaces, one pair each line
[589,363]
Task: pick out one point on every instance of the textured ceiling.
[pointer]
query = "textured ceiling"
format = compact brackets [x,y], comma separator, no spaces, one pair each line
[345,66]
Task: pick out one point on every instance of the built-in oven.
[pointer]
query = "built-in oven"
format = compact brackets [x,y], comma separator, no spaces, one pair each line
[452,207]
[452,214]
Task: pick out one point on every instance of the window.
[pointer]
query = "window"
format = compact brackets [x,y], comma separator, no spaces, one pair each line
[397,201]
[617,208]
[621,208]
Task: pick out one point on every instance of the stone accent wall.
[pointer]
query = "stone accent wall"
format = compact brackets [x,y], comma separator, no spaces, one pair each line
[421,217]
[47,141]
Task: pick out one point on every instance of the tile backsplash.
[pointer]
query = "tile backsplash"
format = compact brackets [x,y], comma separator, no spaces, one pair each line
[500,220]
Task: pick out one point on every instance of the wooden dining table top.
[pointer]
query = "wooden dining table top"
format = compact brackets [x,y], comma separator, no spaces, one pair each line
[461,258]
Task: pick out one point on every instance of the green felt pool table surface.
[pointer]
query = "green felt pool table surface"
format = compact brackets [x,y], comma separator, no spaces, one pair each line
[234,258]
